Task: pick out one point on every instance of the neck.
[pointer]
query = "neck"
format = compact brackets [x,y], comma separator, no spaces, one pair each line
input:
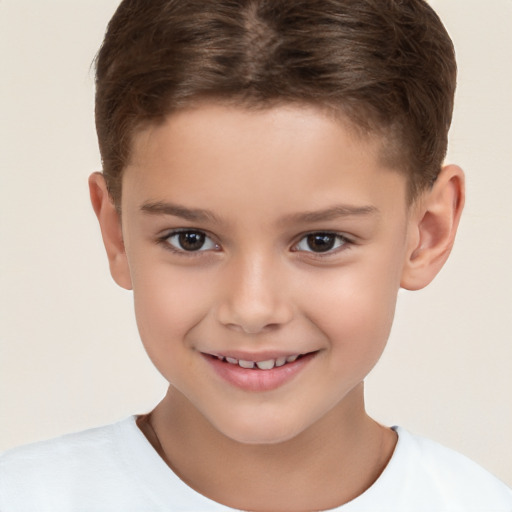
[327,465]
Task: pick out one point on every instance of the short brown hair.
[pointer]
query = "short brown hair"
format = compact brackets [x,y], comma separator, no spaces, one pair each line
[387,65]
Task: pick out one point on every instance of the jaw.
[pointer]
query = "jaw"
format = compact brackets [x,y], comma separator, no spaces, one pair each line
[270,418]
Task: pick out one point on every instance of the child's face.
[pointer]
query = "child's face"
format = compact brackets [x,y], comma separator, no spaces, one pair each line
[257,236]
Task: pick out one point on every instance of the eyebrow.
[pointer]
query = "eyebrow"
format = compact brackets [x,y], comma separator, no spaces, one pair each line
[201,215]
[332,213]
[176,210]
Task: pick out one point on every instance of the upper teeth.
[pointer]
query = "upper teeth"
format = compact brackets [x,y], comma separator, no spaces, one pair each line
[262,365]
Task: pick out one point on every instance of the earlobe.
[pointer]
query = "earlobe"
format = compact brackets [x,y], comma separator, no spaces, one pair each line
[111,231]
[433,227]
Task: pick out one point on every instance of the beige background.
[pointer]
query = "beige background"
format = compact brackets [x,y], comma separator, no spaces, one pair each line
[70,354]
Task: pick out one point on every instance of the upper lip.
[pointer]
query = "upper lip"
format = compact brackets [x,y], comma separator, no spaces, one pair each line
[256,356]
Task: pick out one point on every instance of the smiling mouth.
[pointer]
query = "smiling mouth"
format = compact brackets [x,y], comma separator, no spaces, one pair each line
[259,373]
[268,364]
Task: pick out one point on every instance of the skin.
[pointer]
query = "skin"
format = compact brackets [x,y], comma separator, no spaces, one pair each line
[257,287]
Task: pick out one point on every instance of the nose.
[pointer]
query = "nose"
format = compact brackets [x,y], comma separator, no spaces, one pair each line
[254,298]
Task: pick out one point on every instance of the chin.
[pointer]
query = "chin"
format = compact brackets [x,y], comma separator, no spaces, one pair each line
[272,431]
[261,438]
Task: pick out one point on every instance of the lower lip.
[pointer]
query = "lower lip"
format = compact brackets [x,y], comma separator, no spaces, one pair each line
[255,379]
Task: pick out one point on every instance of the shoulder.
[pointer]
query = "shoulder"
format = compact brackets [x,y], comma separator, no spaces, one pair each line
[106,469]
[78,447]
[50,471]
[434,470]
[424,476]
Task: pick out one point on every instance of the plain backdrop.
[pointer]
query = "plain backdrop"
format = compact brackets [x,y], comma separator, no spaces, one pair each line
[70,353]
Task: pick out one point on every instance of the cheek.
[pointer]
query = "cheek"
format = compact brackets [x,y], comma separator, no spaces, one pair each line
[357,324]
[355,307]
[168,304]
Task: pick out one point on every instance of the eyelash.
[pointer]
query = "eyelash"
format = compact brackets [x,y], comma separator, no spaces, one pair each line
[343,243]
[164,240]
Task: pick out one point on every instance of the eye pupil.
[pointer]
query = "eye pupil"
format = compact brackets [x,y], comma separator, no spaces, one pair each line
[321,242]
[191,240]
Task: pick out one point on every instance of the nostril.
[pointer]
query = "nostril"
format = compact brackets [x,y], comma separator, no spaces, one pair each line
[252,311]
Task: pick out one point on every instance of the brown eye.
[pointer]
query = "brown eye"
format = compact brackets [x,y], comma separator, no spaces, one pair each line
[190,241]
[321,242]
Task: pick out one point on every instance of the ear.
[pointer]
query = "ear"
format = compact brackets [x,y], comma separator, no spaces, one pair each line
[111,231]
[433,225]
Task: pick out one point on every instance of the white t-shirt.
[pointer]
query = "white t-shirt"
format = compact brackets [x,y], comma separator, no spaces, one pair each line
[115,468]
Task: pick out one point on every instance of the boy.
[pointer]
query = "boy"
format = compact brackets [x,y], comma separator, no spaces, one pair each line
[272,175]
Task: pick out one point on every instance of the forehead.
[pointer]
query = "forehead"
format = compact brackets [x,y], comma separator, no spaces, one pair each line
[267,158]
